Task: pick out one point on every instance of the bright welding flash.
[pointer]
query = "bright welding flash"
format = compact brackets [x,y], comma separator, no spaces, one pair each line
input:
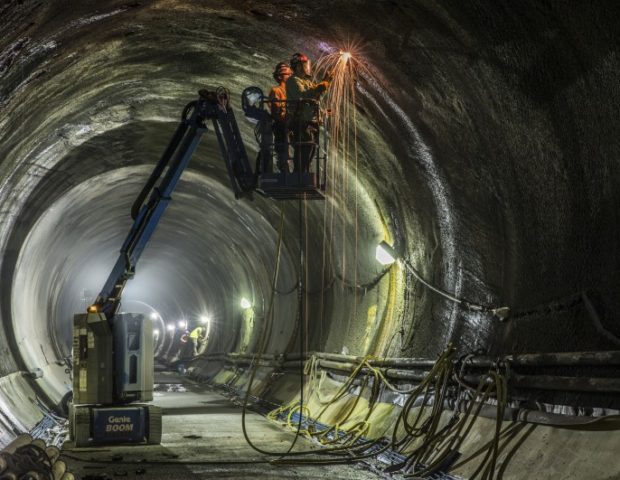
[346,56]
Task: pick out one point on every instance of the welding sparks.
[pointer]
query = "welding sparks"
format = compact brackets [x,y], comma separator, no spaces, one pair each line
[339,68]
[342,68]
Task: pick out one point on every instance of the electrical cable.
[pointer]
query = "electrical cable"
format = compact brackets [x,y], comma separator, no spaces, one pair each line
[439,449]
[28,461]
[447,450]
[501,312]
[168,462]
[353,434]
[262,345]
[363,286]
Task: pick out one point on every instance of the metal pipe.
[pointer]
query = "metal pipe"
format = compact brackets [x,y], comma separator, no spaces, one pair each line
[260,363]
[525,359]
[405,375]
[559,359]
[609,422]
[574,384]
[556,383]
[386,362]
[337,365]
[14,464]
[266,356]
[404,363]
[388,372]
[211,356]
[538,417]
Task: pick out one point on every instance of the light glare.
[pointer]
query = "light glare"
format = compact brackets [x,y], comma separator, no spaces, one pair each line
[205,319]
[245,303]
[170,327]
[383,256]
[182,324]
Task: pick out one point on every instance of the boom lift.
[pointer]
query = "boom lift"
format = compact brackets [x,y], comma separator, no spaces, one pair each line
[112,351]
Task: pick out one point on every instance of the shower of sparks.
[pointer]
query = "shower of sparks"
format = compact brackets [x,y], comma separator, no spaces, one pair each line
[343,67]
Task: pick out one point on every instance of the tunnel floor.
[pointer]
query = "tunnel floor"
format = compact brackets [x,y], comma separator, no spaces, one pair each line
[202,438]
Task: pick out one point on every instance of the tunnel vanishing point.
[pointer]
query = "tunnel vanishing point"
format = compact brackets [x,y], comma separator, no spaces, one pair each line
[487,149]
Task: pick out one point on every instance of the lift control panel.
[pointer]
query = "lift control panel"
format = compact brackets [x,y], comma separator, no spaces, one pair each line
[112,365]
[92,359]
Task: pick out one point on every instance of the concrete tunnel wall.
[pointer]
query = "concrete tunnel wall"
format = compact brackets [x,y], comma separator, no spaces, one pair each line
[487,155]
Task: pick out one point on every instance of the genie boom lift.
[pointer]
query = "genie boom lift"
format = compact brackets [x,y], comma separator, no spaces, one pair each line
[113,352]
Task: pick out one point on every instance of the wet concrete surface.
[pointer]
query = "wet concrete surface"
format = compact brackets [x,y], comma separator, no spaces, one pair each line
[488,156]
[202,438]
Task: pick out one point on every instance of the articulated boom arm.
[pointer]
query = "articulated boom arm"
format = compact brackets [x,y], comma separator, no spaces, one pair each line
[156,194]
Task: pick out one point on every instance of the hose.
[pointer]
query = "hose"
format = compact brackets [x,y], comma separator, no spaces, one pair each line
[262,345]
[28,459]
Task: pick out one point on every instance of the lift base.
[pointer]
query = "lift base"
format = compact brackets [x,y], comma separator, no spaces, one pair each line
[96,425]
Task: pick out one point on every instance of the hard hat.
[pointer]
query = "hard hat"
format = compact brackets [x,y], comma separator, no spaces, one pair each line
[298,58]
[281,68]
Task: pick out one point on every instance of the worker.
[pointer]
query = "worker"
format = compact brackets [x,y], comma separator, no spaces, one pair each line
[196,337]
[277,98]
[302,116]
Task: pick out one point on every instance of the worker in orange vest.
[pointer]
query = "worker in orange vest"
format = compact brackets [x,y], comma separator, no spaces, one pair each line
[301,91]
[277,97]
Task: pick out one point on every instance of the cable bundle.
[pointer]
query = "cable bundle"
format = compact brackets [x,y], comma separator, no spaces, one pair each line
[28,459]
[428,441]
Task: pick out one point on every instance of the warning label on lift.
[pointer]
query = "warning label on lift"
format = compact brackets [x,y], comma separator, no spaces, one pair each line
[119,424]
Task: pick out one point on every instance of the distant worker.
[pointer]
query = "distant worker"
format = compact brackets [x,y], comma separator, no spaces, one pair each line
[277,97]
[197,337]
[303,121]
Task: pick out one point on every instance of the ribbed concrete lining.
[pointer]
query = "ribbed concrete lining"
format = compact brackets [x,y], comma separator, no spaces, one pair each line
[488,146]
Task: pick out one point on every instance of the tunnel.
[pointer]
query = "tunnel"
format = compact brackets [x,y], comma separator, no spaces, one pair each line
[481,146]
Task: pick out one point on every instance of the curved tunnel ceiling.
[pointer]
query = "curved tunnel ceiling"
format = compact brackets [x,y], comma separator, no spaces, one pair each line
[486,144]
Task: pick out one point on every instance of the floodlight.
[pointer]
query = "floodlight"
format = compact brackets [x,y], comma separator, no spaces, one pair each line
[385,254]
